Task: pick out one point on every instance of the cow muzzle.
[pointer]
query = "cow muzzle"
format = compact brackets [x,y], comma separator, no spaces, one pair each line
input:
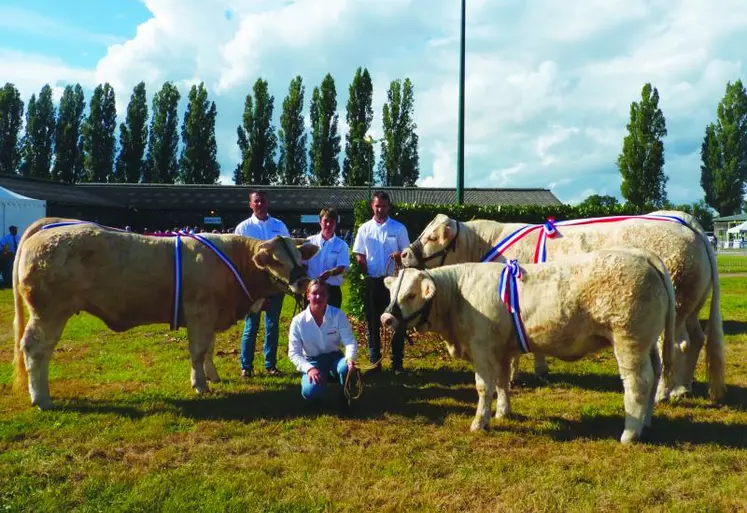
[389,321]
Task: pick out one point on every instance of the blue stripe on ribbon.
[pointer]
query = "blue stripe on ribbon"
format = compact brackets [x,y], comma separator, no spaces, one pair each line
[509,294]
[177,282]
[226,261]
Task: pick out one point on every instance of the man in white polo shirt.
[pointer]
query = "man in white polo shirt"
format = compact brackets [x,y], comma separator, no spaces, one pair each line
[314,342]
[333,257]
[377,249]
[261,226]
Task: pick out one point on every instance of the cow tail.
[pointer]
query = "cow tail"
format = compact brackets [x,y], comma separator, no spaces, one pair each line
[668,347]
[715,337]
[20,374]
[715,340]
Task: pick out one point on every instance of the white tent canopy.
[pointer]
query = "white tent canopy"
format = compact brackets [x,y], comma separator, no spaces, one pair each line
[739,228]
[20,211]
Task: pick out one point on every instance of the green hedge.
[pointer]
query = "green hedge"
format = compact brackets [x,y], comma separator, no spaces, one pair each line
[417,216]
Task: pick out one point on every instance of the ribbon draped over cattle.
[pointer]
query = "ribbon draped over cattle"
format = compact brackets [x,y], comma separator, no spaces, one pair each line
[549,230]
[178,282]
[509,294]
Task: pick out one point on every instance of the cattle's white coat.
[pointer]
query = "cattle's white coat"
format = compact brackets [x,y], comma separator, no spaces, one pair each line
[570,307]
[683,249]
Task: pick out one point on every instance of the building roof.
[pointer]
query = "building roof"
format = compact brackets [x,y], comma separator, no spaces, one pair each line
[235,197]
[53,192]
[726,219]
[300,198]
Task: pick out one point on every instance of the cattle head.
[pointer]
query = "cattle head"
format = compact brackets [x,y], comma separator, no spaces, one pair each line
[411,293]
[436,240]
[281,257]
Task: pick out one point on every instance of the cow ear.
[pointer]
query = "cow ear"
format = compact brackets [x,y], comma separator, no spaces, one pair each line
[308,251]
[428,288]
[388,281]
[263,257]
[447,232]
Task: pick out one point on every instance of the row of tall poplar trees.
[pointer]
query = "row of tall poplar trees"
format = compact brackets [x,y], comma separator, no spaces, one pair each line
[282,156]
[65,144]
[723,155]
[62,143]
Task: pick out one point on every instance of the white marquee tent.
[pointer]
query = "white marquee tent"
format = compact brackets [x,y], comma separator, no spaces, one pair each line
[19,210]
[739,228]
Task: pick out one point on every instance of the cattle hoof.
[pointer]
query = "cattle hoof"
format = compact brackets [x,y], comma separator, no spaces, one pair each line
[202,390]
[215,379]
[628,437]
[43,405]
[478,425]
[679,392]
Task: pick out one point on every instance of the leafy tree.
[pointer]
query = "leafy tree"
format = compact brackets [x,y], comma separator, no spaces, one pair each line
[400,163]
[98,136]
[199,161]
[357,168]
[256,137]
[325,141]
[68,144]
[723,171]
[161,160]
[38,141]
[641,161]
[292,136]
[133,138]
[11,117]
[598,202]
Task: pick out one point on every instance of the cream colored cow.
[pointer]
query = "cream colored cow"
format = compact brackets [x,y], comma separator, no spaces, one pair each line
[684,249]
[128,280]
[569,308]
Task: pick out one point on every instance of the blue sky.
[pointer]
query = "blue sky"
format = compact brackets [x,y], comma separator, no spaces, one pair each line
[549,82]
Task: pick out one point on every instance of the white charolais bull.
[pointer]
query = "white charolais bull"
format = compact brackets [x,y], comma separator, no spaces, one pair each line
[128,280]
[683,248]
[569,308]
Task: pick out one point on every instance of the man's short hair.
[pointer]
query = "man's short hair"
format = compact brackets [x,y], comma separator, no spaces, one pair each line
[258,192]
[382,196]
[330,212]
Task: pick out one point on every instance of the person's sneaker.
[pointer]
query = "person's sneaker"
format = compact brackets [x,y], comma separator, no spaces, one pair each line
[273,371]
[246,373]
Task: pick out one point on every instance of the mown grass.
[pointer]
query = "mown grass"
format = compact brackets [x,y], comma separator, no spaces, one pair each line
[732,262]
[129,435]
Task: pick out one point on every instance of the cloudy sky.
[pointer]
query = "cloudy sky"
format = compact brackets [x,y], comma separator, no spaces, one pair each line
[548,90]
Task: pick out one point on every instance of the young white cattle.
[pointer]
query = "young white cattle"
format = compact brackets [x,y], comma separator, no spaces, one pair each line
[682,246]
[568,308]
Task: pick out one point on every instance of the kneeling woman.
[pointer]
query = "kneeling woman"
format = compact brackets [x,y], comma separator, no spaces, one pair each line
[316,337]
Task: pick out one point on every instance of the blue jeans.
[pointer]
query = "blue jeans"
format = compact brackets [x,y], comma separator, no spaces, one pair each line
[331,365]
[251,327]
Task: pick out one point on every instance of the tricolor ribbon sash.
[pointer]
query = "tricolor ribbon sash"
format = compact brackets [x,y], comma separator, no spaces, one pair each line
[549,230]
[509,294]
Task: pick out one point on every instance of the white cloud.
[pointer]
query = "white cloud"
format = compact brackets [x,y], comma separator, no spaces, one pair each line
[548,82]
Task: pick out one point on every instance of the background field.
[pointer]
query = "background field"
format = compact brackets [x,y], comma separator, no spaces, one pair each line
[129,434]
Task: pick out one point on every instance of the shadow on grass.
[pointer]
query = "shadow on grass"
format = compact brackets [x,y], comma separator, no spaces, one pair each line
[730,327]
[409,396]
[597,382]
[664,431]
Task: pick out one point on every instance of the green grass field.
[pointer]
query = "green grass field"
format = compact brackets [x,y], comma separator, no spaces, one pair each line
[129,435]
[732,262]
